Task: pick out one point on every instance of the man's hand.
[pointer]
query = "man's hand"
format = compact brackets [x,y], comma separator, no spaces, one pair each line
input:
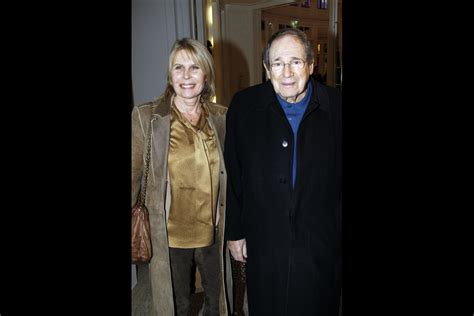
[238,249]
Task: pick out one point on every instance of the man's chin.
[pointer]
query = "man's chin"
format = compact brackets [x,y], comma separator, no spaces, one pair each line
[289,97]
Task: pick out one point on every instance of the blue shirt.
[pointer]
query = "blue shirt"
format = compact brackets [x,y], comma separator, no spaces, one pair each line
[294,113]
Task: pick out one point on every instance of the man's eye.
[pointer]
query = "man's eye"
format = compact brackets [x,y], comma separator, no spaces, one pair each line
[297,62]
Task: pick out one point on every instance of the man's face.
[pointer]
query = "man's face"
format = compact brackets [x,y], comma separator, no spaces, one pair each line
[289,82]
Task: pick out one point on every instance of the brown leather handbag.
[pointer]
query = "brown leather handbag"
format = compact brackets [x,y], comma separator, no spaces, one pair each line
[141,238]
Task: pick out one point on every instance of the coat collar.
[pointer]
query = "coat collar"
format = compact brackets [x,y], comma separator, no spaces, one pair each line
[162,107]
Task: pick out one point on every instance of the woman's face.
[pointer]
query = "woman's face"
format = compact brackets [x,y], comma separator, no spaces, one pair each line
[187,77]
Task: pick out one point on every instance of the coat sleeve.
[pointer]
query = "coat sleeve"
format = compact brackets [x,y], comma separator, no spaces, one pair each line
[234,226]
[138,142]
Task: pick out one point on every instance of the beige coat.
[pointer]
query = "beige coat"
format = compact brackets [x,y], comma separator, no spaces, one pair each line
[158,189]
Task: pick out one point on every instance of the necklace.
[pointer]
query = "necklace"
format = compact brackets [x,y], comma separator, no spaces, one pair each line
[192,117]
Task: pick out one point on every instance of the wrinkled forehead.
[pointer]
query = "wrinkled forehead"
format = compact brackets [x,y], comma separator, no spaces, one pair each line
[287,45]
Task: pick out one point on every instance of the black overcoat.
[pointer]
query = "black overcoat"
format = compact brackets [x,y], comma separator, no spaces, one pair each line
[293,235]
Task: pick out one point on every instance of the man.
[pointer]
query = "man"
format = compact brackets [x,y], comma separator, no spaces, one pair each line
[283,158]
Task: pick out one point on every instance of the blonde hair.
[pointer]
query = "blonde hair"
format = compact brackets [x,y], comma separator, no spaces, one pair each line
[201,56]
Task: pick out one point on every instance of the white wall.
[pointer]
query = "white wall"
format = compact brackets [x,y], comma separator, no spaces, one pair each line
[156,24]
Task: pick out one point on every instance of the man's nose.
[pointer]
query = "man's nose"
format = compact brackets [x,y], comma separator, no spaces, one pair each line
[287,71]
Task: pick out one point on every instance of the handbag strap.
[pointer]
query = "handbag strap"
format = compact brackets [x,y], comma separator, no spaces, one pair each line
[147,161]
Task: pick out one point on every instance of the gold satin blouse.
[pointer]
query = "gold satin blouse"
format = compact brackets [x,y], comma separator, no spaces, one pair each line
[193,162]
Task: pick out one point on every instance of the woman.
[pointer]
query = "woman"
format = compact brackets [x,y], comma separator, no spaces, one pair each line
[186,183]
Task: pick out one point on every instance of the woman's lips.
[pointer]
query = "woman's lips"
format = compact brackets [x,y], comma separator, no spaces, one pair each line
[187,85]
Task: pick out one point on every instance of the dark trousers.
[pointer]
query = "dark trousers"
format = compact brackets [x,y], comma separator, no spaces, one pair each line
[207,261]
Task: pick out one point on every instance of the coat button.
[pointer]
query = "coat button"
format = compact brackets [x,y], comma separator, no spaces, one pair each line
[284,143]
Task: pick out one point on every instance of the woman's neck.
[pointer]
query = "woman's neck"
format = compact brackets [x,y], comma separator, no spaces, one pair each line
[189,106]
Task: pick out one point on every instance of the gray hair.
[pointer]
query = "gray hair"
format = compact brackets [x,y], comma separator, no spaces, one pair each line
[300,35]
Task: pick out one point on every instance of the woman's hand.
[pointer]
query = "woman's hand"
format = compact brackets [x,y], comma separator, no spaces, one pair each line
[238,249]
